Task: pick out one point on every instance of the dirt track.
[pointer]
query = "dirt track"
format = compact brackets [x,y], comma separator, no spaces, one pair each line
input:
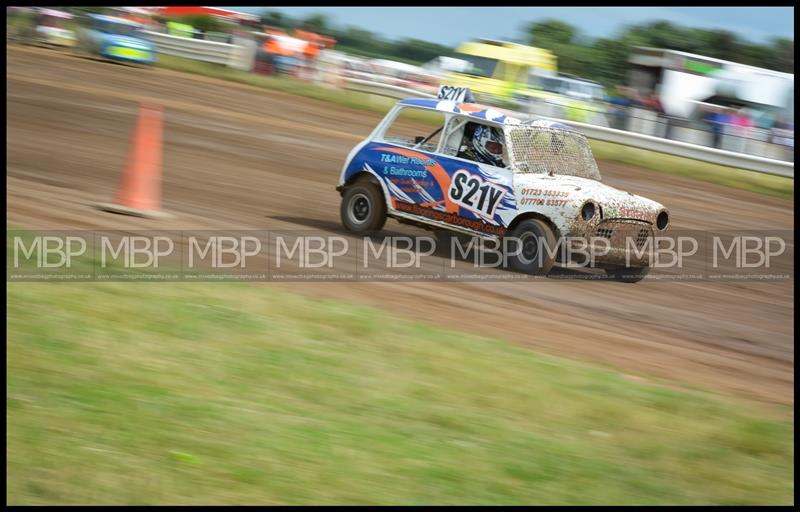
[244,158]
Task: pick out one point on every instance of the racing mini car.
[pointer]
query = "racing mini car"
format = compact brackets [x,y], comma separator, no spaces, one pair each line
[116,39]
[44,27]
[486,172]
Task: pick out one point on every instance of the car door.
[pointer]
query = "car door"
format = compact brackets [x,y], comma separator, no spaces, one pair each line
[427,179]
[479,194]
[404,157]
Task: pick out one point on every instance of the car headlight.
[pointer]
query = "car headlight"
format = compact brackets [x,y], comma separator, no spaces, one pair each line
[588,210]
[662,221]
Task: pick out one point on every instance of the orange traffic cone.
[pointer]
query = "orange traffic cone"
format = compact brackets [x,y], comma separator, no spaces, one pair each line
[139,192]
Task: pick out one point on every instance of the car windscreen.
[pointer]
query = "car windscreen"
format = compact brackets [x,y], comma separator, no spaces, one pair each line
[120,29]
[544,150]
[52,21]
[553,85]
[598,93]
[478,66]
[588,90]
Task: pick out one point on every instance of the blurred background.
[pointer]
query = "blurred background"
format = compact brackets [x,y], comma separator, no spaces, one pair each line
[397,391]
[704,86]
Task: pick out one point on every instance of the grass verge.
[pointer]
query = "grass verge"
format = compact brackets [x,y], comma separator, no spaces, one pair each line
[738,178]
[228,393]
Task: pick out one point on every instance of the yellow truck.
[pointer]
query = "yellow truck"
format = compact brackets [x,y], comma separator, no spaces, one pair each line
[499,69]
[566,97]
[525,78]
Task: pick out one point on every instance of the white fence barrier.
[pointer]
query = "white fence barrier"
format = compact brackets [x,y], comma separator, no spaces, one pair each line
[627,138]
[241,56]
[390,91]
[195,49]
[684,149]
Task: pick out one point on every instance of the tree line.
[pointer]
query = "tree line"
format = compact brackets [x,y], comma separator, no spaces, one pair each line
[605,59]
[602,59]
[358,41]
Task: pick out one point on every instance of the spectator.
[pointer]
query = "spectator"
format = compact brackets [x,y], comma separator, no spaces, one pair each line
[653,103]
[619,107]
[265,56]
[633,94]
[718,119]
[740,127]
[743,122]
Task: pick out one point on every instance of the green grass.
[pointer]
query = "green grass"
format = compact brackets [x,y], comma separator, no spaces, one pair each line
[670,164]
[144,393]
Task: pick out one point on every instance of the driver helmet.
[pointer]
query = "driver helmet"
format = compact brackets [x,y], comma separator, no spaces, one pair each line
[488,144]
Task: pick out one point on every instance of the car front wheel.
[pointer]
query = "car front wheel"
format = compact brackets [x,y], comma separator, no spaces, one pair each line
[534,249]
[363,209]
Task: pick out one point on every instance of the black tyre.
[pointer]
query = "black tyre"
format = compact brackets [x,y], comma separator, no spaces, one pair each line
[80,50]
[536,242]
[363,209]
[627,274]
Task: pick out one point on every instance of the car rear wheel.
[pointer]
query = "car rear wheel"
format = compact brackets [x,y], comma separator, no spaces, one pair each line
[534,251]
[363,208]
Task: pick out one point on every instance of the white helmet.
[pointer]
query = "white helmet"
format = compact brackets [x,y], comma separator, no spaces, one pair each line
[488,144]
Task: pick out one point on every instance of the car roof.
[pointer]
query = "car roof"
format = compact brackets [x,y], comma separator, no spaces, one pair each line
[484,113]
[114,19]
[576,78]
[55,13]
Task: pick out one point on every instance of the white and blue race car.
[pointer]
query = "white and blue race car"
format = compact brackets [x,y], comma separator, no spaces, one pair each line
[116,39]
[485,172]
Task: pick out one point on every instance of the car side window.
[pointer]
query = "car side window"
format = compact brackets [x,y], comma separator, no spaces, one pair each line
[454,132]
[416,128]
[492,151]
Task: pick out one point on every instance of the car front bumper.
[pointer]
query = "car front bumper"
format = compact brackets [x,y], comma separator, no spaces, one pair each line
[129,54]
[617,242]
